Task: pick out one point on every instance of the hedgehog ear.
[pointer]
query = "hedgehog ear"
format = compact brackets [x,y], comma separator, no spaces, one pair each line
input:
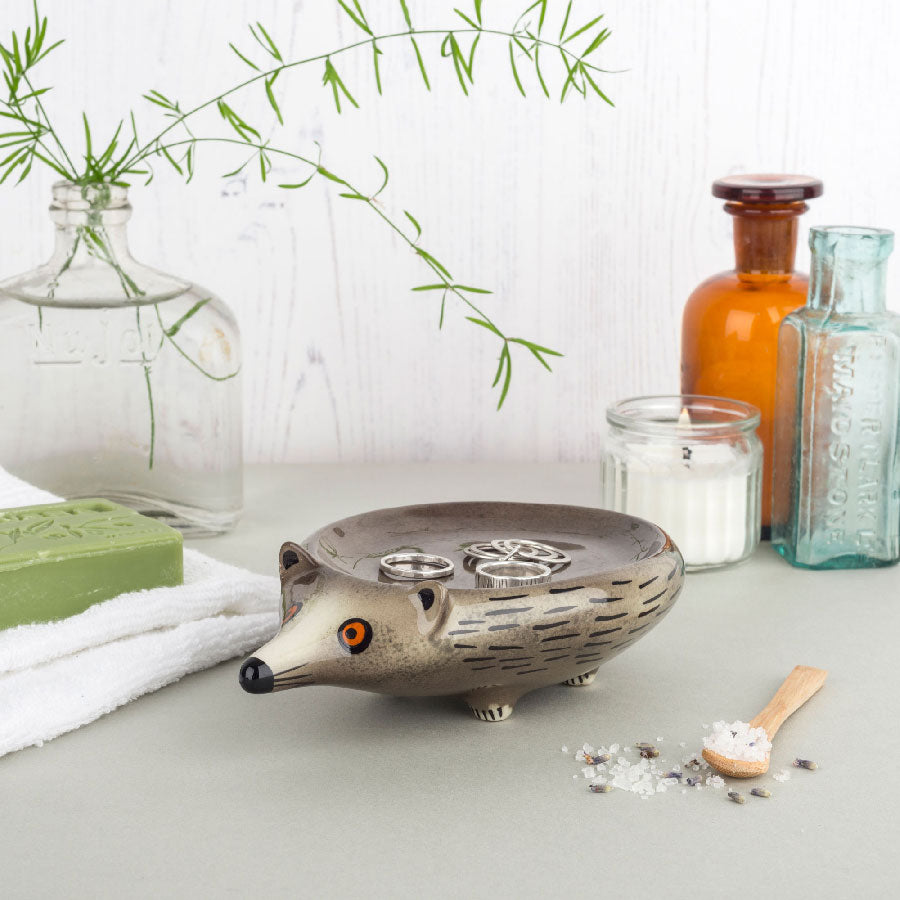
[293,559]
[431,600]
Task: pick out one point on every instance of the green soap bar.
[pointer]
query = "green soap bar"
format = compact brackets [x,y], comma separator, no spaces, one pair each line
[57,560]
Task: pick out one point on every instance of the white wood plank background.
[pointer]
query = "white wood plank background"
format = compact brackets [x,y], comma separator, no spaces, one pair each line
[591,224]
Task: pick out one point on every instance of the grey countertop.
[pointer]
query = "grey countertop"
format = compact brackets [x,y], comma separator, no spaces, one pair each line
[201,790]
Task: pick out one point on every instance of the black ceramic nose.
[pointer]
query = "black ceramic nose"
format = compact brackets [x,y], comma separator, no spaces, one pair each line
[256,677]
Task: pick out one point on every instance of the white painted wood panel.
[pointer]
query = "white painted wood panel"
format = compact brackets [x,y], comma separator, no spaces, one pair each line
[592,225]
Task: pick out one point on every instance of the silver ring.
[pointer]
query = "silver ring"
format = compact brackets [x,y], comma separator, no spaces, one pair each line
[414,566]
[483,550]
[548,558]
[534,550]
[510,573]
[518,548]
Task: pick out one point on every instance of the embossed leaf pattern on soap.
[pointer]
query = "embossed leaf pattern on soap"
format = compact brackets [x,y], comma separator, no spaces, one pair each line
[54,527]
[12,535]
[40,525]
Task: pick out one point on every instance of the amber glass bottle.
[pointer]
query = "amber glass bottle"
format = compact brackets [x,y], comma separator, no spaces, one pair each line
[729,339]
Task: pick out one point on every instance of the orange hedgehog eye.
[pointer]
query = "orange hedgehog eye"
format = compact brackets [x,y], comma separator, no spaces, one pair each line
[355,635]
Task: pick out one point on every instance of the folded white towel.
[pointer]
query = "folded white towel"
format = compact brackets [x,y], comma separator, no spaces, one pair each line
[57,676]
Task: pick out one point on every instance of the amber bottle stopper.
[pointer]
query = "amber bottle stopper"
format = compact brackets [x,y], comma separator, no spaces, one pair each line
[767,188]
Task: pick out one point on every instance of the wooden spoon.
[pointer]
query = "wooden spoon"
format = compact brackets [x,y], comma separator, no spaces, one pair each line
[797,688]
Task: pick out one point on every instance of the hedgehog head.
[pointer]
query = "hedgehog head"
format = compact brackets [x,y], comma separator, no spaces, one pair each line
[344,631]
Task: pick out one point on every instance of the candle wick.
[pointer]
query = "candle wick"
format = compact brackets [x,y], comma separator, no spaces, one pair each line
[684,424]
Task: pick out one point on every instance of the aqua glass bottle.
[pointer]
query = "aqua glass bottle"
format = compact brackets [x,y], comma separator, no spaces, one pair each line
[836,479]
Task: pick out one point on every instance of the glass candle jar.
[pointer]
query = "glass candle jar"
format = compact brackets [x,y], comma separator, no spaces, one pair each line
[692,465]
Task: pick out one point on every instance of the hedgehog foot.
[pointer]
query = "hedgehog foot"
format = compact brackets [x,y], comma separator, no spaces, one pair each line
[493,713]
[490,705]
[579,680]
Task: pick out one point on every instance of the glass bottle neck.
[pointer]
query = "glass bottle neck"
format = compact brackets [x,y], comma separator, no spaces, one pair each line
[765,239]
[90,224]
[98,242]
[849,270]
[91,265]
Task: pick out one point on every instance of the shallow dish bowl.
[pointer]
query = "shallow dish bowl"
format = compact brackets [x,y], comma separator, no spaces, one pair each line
[347,624]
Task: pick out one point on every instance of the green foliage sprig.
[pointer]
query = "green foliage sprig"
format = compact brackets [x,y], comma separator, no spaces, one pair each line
[32,137]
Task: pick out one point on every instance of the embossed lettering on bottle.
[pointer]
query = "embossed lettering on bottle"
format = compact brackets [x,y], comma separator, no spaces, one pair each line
[105,343]
[836,483]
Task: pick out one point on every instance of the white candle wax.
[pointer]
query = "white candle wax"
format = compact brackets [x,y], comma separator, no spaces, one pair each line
[702,501]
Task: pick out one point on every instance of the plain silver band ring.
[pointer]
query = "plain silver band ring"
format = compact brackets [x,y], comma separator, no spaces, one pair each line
[415,566]
[483,550]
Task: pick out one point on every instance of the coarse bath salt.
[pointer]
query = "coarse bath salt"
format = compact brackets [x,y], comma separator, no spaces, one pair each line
[738,740]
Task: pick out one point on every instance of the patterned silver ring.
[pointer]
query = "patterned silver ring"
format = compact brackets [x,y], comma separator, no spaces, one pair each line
[534,550]
[518,548]
[415,566]
[503,573]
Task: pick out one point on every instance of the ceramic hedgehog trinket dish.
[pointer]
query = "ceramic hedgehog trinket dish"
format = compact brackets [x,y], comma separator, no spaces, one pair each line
[348,624]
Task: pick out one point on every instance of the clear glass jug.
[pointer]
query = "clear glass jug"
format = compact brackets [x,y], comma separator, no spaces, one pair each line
[121,381]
